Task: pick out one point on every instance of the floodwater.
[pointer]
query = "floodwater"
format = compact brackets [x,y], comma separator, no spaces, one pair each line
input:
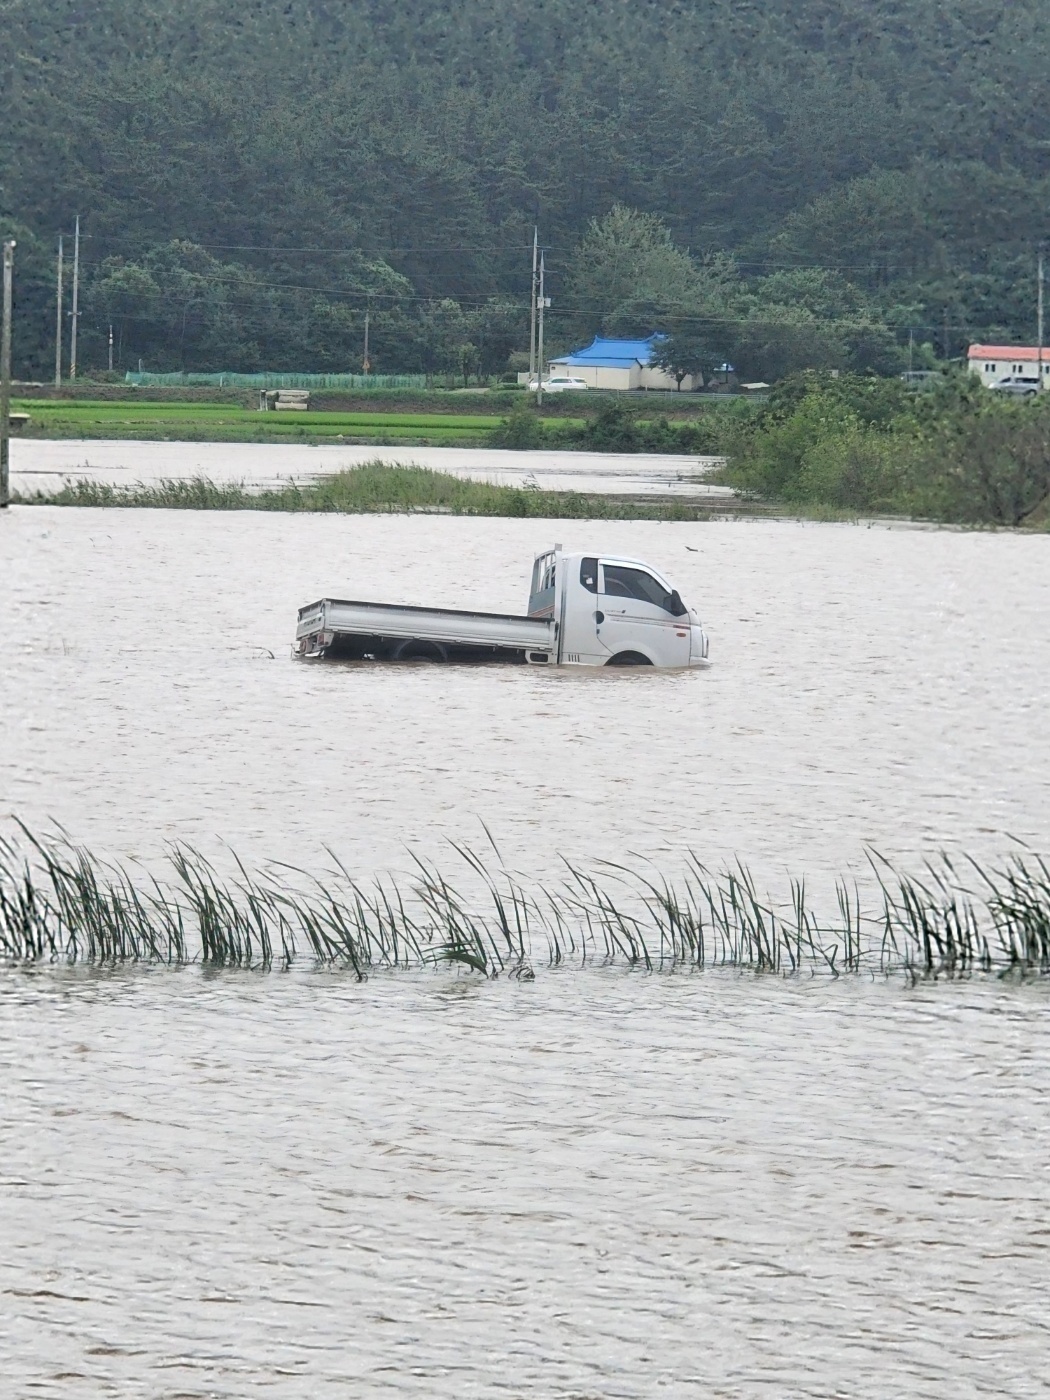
[598,1184]
[39,465]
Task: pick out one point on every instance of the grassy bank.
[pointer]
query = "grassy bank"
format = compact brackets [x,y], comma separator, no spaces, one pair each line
[59,903]
[376,488]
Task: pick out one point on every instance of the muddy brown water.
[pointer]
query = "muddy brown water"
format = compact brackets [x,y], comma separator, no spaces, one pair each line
[599,1184]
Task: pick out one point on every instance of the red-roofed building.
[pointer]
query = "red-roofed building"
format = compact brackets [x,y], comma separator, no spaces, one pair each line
[995,362]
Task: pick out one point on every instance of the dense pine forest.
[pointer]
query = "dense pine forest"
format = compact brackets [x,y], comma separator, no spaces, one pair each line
[786,183]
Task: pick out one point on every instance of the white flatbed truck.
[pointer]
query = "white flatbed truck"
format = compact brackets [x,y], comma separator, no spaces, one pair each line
[584,610]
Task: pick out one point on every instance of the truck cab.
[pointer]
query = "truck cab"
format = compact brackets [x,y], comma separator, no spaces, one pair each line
[612,610]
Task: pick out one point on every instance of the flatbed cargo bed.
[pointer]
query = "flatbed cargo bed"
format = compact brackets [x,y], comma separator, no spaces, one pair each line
[359,629]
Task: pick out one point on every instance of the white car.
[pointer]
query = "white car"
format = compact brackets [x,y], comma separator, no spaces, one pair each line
[559,384]
[1021,384]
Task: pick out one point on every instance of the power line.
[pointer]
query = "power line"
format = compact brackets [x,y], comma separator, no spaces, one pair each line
[276,248]
[674,310]
[751,322]
[875,264]
[680,312]
[677,309]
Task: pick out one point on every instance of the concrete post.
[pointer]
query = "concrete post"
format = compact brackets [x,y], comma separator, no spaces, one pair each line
[5,377]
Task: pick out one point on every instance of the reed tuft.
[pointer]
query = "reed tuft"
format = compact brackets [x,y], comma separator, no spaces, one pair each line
[58,902]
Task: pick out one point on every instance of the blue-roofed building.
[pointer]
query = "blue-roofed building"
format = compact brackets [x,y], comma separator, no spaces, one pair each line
[618,364]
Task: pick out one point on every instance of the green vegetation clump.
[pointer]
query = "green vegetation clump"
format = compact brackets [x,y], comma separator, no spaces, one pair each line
[620,427]
[59,903]
[377,487]
[520,430]
[958,454]
[611,424]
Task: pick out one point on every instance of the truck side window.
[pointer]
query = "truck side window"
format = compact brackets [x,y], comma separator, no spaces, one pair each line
[621,582]
[589,574]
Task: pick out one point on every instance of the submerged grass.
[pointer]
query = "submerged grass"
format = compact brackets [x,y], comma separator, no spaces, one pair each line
[58,902]
[376,488]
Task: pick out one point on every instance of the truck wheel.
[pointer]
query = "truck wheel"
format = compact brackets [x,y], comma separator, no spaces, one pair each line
[419,651]
[628,658]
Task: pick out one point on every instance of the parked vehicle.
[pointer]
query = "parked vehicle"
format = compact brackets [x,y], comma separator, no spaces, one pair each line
[920,379]
[584,610]
[560,384]
[1017,384]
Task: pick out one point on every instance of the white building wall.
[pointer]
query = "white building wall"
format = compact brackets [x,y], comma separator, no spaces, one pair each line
[991,371]
[621,377]
[654,378]
[600,376]
[987,371]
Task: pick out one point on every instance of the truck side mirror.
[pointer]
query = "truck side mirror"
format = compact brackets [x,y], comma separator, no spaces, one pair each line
[675,606]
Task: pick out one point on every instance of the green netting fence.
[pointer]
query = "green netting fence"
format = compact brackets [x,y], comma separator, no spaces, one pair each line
[267,380]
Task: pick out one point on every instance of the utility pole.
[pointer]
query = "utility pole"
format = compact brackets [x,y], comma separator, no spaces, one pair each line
[111,347]
[76,313]
[58,320]
[366,363]
[1040,317]
[5,377]
[541,303]
[534,294]
[947,342]
[911,350]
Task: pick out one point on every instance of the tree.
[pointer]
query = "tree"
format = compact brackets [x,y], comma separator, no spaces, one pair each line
[770,342]
[690,348]
[627,274]
[983,458]
[443,332]
[469,360]
[499,327]
[120,293]
[33,303]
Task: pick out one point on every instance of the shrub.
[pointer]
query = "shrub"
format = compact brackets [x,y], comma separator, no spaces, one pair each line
[521,429]
[613,429]
[985,461]
[958,454]
[772,464]
[856,469]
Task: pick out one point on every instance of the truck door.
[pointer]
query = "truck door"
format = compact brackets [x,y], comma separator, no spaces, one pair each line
[578,643]
[638,613]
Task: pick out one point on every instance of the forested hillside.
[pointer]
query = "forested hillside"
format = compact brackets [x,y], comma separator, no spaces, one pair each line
[786,182]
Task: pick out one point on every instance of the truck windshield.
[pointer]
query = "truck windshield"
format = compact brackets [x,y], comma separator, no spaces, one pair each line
[622,582]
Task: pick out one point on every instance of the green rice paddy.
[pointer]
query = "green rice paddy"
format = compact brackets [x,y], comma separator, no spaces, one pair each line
[216,422]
